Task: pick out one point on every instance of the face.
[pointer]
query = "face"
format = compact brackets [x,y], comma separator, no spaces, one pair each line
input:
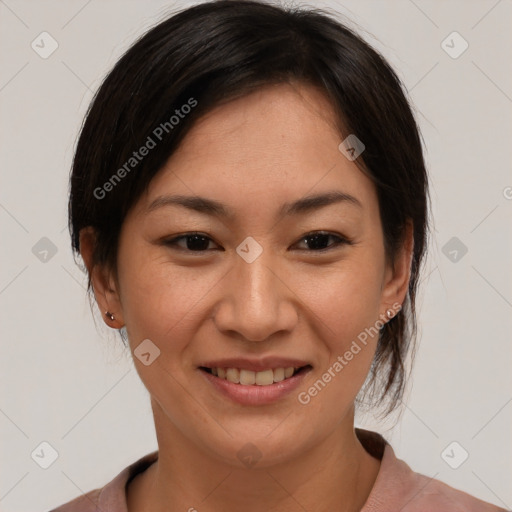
[264,285]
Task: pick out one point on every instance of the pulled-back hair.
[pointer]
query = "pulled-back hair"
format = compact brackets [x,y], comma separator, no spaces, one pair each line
[214,52]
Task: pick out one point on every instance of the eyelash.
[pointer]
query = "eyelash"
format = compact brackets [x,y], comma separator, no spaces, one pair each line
[341,240]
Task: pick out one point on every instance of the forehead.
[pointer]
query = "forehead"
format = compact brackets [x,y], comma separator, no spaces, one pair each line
[272,146]
[279,122]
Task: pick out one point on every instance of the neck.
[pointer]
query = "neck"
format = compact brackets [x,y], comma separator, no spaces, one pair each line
[337,474]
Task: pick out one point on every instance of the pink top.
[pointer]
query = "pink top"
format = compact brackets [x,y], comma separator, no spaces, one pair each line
[397,487]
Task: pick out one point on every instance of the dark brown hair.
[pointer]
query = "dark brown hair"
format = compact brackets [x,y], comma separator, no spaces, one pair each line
[217,51]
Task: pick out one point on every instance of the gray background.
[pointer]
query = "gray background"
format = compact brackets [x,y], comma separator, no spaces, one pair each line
[67,381]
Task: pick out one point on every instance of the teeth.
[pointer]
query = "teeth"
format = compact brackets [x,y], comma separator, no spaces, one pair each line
[233,375]
[265,378]
[278,374]
[249,378]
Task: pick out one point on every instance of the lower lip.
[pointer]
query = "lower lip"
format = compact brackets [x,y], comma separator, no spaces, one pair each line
[256,395]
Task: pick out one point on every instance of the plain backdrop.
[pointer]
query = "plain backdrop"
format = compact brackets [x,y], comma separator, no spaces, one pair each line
[66,382]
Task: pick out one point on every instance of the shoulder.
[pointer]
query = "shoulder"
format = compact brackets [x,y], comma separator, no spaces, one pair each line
[398,487]
[113,495]
[86,503]
[424,493]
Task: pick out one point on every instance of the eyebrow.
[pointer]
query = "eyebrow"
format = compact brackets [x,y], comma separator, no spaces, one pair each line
[217,209]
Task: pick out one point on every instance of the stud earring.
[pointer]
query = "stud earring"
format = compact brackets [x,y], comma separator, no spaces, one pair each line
[110,315]
[390,313]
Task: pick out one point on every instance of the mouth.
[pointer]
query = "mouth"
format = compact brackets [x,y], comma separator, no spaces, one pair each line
[248,377]
[249,381]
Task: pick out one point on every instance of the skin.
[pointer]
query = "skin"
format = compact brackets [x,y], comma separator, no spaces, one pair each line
[253,154]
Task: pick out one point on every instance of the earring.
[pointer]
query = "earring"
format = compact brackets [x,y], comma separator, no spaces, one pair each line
[390,313]
[110,315]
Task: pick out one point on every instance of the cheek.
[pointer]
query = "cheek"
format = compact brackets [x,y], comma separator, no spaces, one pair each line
[349,299]
[349,308]
[160,301]
[349,335]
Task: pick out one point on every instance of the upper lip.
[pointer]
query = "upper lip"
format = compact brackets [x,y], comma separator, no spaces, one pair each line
[256,365]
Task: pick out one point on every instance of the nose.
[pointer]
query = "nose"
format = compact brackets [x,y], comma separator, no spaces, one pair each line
[257,301]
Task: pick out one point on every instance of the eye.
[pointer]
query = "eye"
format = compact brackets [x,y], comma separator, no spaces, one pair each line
[193,242]
[317,241]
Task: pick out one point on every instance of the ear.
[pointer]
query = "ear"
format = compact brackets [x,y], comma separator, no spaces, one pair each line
[103,282]
[398,274]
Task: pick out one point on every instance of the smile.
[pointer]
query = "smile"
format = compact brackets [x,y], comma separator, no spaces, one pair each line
[254,387]
[250,378]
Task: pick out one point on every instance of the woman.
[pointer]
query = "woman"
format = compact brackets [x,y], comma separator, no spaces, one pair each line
[249,197]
